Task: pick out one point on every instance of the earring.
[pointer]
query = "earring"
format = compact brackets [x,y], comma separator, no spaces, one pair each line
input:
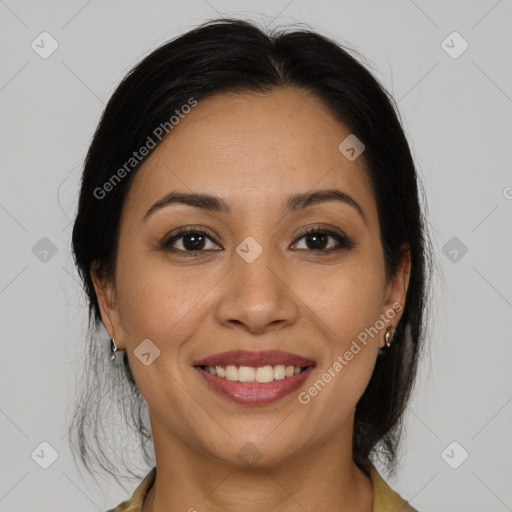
[388,337]
[113,349]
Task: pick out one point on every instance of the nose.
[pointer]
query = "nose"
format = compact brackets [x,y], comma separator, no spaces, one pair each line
[256,296]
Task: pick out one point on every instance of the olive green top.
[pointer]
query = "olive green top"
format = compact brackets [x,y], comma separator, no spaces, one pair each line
[384,498]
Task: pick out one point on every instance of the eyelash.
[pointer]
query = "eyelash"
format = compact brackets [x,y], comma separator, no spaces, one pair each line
[343,241]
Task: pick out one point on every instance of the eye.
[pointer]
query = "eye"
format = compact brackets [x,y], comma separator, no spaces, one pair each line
[192,241]
[321,240]
[189,240]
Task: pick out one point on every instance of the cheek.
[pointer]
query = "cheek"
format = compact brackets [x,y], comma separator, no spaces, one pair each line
[161,304]
[345,308]
[156,298]
[346,301]
[346,304]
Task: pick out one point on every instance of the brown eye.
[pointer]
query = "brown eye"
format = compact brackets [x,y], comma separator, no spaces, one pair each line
[322,240]
[190,241]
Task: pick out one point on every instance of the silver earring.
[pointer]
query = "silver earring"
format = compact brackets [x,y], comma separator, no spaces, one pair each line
[113,349]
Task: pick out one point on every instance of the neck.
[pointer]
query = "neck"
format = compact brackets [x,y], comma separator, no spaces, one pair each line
[319,478]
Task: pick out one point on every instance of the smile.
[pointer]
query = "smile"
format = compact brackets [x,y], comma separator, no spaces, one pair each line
[250,374]
[254,377]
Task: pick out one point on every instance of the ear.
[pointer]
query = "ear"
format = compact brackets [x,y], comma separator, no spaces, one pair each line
[105,293]
[396,292]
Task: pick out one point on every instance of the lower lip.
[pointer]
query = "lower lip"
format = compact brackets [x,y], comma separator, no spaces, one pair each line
[255,393]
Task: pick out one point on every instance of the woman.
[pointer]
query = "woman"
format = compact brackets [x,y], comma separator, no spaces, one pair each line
[250,235]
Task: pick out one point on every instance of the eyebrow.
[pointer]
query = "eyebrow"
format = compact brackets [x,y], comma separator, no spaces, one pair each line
[293,203]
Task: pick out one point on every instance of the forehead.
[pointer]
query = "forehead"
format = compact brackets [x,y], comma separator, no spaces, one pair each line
[264,145]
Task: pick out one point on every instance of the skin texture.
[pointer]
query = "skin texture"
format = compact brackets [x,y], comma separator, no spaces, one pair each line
[252,150]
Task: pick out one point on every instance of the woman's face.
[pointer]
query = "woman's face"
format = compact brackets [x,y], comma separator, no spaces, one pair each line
[254,281]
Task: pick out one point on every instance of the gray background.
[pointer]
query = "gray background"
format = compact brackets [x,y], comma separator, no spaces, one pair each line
[457,115]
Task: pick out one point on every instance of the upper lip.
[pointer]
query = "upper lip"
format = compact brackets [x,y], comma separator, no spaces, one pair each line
[254,359]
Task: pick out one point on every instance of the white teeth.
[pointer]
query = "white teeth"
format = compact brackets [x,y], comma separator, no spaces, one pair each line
[246,374]
[231,372]
[251,374]
[279,372]
[264,374]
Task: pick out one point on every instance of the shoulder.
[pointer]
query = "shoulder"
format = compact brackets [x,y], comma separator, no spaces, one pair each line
[134,503]
[384,498]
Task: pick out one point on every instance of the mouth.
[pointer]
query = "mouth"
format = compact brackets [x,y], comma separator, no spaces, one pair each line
[260,374]
[255,377]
